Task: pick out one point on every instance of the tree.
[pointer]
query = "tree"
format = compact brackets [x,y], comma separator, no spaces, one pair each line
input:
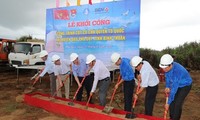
[24,38]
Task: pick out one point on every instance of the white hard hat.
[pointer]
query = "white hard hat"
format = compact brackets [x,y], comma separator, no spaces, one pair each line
[115,57]
[43,53]
[166,60]
[136,60]
[55,58]
[90,58]
[73,57]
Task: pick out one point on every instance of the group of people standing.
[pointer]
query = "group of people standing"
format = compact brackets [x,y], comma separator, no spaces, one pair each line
[178,80]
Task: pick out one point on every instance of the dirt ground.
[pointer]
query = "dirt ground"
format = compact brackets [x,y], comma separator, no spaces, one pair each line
[12,109]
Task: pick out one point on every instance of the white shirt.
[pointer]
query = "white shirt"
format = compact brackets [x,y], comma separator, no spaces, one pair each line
[148,75]
[63,68]
[49,66]
[100,73]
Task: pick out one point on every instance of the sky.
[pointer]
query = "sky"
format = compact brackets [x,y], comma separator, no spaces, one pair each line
[163,23]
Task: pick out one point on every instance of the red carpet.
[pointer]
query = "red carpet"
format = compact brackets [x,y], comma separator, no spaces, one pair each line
[73,112]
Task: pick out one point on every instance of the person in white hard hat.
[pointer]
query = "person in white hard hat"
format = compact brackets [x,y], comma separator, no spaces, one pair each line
[128,81]
[149,81]
[178,85]
[79,69]
[101,77]
[62,71]
[49,66]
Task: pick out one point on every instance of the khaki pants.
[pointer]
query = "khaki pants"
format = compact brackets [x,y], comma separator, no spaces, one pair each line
[66,85]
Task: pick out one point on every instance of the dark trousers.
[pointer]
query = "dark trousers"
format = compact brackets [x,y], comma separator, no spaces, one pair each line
[150,98]
[175,108]
[128,94]
[88,86]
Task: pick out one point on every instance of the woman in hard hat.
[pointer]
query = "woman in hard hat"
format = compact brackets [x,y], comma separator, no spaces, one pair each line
[128,76]
[178,85]
[79,69]
[101,77]
[61,71]
[49,66]
[149,81]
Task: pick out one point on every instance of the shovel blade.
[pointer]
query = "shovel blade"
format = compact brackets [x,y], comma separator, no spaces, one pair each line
[52,99]
[107,109]
[71,103]
[132,110]
[29,90]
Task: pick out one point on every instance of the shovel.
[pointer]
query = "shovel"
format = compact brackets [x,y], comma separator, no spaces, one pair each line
[132,115]
[31,88]
[72,102]
[86,107]
[35,81]
[107,109]
[166,110]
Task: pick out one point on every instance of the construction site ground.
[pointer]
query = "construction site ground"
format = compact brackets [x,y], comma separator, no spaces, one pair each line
[12,107]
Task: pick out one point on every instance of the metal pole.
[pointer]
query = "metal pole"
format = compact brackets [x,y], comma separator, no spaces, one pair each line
[17,75]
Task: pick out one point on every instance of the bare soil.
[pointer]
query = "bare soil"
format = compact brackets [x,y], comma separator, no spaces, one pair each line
[12,107]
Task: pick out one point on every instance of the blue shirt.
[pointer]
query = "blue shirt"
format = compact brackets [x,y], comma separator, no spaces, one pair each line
[126,70]
[79,70]
[177,77]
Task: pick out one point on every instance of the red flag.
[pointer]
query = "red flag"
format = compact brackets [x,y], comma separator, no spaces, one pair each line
[57,3]
[61,14]
[90,2]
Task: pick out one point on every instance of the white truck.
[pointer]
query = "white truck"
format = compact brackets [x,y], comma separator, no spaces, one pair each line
[26,53]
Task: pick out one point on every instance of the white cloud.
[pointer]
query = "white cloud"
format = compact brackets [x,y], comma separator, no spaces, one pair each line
[169,23]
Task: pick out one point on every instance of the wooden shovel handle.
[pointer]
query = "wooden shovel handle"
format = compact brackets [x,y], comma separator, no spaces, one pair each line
[112,97]
[135,100]
[79,88]
[166,110]
[88,100]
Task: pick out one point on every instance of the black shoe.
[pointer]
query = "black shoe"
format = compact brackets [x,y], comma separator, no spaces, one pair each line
[130,116]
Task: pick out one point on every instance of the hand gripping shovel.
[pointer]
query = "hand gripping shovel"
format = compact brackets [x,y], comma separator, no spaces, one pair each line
[166,110]
[72,102]
[60,86]
[107,109]
[132,115]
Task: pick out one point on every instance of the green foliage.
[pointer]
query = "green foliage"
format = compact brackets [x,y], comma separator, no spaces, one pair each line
[151,56]
[24,38]
[187,54]
[29,39]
